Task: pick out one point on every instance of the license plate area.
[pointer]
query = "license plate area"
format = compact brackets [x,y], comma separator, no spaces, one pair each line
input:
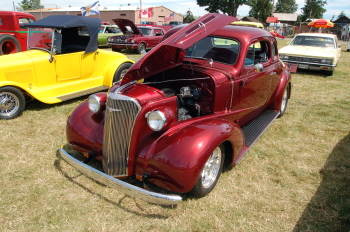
[303,66]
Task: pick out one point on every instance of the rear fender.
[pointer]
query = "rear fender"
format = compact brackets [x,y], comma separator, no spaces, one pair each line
[285,81]
[175,160]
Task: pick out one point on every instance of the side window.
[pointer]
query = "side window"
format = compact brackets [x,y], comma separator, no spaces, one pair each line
[274,49]
[24,21]
[158,32]
[257,53]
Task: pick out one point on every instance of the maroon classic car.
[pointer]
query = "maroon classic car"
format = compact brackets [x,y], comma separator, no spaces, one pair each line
[134,37]
[197,101]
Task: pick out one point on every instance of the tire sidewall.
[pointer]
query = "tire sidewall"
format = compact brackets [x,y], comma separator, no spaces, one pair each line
[283,111]
[141,48]
[4,38]
[21,100]
[198,190]
[118,73]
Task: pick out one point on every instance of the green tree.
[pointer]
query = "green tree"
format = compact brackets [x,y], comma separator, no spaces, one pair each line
[342,14]
[286,6]
[30,5]
[313,9]
[188,18]
[228,7]
[261,9]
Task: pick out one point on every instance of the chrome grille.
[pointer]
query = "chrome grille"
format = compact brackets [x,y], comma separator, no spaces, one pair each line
[121,112]
[304,59]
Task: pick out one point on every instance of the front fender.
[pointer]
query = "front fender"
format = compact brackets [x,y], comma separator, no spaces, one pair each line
[84,128]
[175,160]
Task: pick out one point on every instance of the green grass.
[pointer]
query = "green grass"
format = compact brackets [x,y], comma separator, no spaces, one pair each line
[295,178]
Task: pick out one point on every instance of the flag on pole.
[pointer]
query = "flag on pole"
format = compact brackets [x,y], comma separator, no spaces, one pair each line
[169,17]
[146,13]
[91,9]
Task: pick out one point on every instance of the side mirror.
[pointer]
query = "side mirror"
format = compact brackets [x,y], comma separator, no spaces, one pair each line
[258,68]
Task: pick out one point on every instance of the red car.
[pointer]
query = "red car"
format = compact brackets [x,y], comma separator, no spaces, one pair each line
[197,101]
[138,38]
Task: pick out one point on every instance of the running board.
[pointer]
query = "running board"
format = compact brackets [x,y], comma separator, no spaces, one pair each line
[82,93]
[253,130]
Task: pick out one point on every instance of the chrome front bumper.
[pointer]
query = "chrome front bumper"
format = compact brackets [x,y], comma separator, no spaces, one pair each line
[128,189]
[312,66]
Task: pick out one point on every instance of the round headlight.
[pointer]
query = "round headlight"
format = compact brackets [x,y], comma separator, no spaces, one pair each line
[94,103]
[156,120]
[132,41]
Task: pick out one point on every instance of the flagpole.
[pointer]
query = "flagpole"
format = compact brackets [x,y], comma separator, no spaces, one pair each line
[140,12]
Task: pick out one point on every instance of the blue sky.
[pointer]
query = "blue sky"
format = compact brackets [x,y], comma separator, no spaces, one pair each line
[334,7]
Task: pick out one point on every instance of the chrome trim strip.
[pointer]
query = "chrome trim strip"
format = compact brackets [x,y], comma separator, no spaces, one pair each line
[123,44]
[126,188]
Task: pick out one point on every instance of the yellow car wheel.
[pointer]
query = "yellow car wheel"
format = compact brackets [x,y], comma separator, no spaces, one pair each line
[119,74]
[12,102]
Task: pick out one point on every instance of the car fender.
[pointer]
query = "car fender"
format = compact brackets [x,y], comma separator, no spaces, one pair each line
[23,88]
[175,160]
[282,85]
[83,126]
[111,62]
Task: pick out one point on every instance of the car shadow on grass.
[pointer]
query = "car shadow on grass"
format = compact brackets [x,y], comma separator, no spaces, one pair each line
[97,165]
[35,105]
[329,208]
[307,72]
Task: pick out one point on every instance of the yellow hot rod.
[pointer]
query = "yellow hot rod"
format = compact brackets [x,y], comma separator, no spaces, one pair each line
[62,63]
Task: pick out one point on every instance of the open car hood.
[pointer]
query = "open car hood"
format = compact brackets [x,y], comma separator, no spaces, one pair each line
[124,23]
[70,21]
[171,51]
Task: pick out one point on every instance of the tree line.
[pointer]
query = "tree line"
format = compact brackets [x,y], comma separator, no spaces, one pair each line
[260,9]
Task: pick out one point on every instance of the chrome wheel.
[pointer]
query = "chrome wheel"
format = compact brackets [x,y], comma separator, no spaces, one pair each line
[211,168]
[12,102]
[121,71]
[9,104]
[284,100]
[141,49]
[210,173]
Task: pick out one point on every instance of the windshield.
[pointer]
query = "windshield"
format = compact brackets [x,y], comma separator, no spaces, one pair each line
[220,50]
[316,41]
[40,38]
[145,31]
[109,30]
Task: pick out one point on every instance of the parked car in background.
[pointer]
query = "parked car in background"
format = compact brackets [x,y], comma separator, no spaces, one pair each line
[138,38]
[13,35]
[314,51]
[248,24]
[107,31]
[61,63]
[200,99]
[175,23]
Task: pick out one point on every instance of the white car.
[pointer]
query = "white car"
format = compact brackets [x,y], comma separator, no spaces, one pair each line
[314,51]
